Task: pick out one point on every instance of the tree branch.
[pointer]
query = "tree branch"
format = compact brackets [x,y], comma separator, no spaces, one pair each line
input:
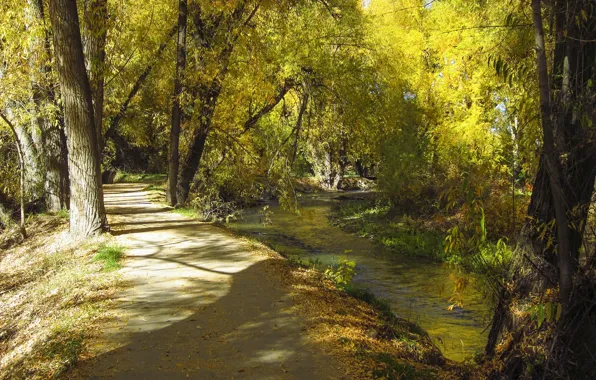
[137,86]
[252,121]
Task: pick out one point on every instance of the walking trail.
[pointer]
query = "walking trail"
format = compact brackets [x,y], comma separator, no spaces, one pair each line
[197,304]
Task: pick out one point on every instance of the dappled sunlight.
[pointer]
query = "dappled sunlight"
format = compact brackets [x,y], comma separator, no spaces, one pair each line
[195,301]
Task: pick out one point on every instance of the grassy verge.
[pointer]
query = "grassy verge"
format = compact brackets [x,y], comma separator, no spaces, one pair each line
[396,233]
[187,212]
[109,255]
[157,194]
[123,177]
[54,295]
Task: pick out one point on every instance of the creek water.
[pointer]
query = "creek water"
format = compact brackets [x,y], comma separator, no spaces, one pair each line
[417,289]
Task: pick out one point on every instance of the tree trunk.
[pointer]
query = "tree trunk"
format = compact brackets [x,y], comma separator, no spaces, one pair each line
[87,216]
[49,148]
[34,174]
[177,113]
[553,164]
[38,70]
[549,244]
[191,164]
[95,17]
[206,36]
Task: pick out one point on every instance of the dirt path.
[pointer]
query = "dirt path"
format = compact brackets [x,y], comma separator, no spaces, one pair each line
[198,304]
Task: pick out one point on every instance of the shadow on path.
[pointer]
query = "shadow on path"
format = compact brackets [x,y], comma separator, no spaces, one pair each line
[197,304]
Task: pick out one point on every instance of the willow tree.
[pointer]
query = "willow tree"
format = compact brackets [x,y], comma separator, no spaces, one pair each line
[214,34]
[86,202]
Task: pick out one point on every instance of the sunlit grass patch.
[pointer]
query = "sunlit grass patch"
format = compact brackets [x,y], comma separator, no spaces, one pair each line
[156,187]
[187,212]
[110,256]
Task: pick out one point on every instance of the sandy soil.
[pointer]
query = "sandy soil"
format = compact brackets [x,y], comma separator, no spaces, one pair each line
[198,303]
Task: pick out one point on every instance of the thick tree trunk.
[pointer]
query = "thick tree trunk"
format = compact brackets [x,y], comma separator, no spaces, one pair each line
[56,193]
[39,121]
[566,267]
[87,216]
[50,143]
[191,164]
[95,17]
[177,113]
[549,245]
[64,176]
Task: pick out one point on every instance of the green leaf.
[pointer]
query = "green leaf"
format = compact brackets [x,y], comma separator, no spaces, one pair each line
[540,315]
[558,312]
[482,224]
[549,311]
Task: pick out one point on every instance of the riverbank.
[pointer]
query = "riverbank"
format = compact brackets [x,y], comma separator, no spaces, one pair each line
[374,219]
[423,236]
[357,328]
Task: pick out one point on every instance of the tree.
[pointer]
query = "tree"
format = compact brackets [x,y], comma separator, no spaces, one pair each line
[47,122]
[5,216]
[87,216]
[215,34]
[177,112]
[550,243]
[95,17]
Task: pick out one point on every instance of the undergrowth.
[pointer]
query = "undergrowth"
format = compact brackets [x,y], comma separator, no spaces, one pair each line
[420,237]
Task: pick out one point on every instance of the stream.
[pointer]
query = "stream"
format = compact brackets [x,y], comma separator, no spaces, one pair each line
[417,289]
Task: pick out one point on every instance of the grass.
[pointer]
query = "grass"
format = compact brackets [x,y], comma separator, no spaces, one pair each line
[123,177]
[62,214]
[54,297]
[109,255]
[187,212]
[398,234]
[156,187]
